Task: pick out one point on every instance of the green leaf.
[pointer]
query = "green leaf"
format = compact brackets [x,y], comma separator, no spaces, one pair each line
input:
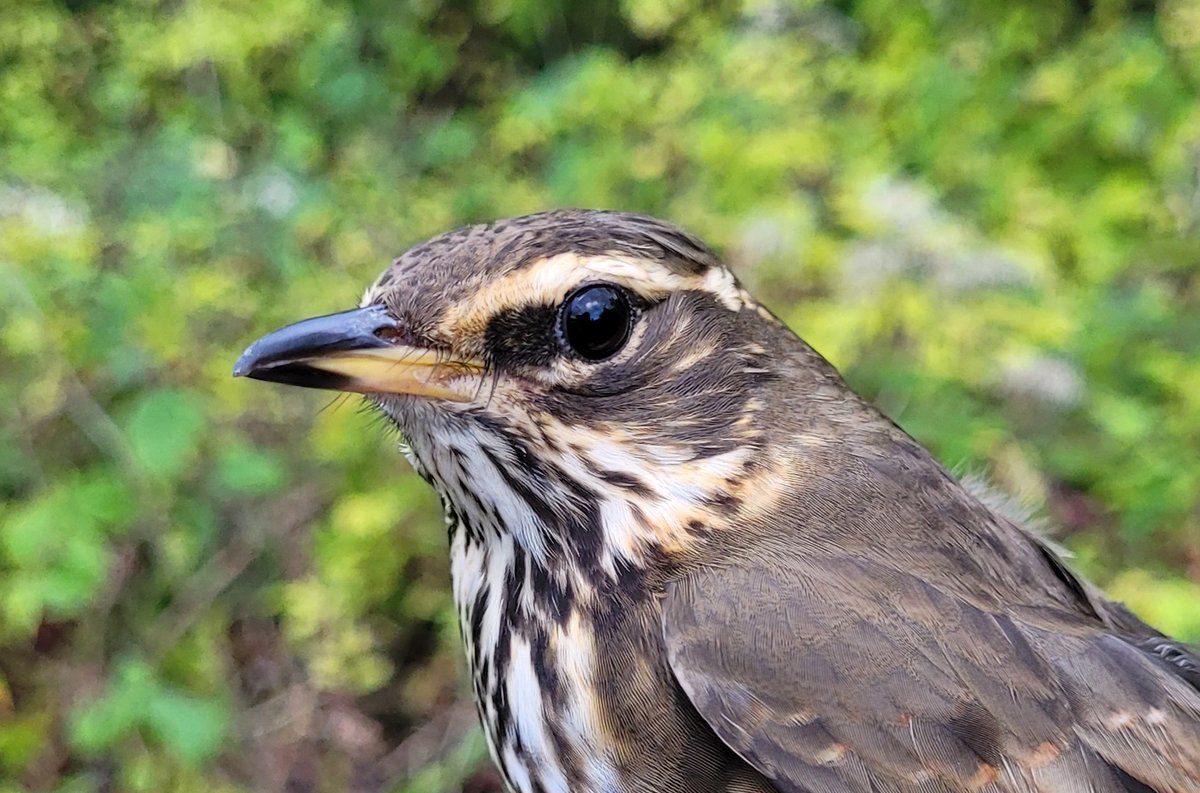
[96,726]
[22,737]
[242,469]
[59,555]
[192,728]
[81,783]
[104,496]
[29,536]
[164,430]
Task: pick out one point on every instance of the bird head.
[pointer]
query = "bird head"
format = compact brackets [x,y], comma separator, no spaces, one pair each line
[594,385]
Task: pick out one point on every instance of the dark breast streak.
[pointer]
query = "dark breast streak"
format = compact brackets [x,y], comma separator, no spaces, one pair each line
[620,724]
[566,660]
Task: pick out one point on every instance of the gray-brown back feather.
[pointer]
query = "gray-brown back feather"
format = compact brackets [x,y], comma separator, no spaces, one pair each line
[831,673]
[883,630]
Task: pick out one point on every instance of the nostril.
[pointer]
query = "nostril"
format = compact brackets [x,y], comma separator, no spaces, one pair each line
[392,334]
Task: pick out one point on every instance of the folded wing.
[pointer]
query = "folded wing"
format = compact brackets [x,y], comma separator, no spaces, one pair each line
[831,675]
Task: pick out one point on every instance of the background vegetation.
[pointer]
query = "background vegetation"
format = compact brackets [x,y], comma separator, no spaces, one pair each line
[987,214]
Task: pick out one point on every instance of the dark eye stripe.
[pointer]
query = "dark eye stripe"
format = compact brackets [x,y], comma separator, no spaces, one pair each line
[523,336]
[533,335]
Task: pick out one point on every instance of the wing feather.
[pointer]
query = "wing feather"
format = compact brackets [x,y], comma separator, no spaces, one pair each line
[830,675]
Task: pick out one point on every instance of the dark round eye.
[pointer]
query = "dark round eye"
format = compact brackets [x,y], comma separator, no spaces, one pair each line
[596,321]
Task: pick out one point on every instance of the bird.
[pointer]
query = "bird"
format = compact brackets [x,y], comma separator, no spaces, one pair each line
[686,556]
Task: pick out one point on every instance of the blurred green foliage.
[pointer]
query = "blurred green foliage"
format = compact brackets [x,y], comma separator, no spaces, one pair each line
[987,214]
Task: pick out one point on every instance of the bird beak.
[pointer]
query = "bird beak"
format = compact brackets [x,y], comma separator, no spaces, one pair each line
[353,351]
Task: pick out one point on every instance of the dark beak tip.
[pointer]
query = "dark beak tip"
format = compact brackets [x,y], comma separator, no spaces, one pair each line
[246,363]
[286,355]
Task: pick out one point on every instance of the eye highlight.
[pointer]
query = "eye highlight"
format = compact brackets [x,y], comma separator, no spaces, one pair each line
[596,321]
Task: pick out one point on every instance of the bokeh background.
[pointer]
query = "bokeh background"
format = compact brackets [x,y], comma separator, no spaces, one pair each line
[987,214]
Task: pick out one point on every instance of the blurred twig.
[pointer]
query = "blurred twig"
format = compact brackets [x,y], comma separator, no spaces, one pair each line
[431,743]
[82,407]
[221,569]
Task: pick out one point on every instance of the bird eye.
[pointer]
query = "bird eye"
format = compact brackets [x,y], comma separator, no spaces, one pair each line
[596,321]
